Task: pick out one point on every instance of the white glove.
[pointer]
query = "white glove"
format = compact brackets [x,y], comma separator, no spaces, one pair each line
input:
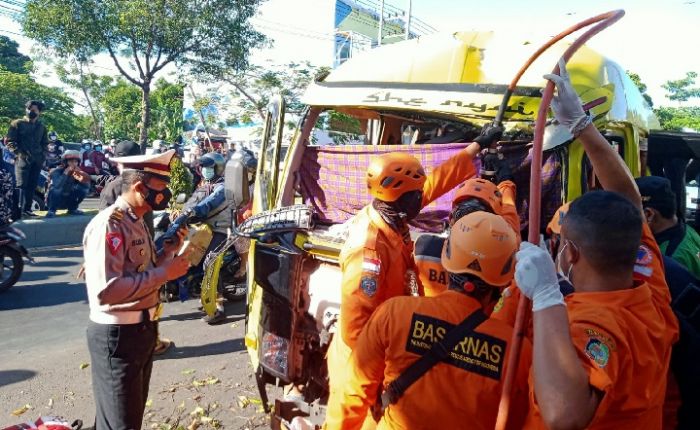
[566,104]
[536,277]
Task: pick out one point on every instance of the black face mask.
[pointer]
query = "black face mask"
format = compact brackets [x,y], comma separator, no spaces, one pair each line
[31,114]
[158,200]
[409,204]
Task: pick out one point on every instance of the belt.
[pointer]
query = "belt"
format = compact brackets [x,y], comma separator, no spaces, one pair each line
[123,317]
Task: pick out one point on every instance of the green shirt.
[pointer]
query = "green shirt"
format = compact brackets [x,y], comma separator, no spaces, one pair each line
[682,243]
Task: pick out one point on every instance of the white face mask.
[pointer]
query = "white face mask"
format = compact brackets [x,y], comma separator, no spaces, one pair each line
[565,276]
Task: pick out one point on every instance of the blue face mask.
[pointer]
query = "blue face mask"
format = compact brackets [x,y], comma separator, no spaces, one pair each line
[208,173]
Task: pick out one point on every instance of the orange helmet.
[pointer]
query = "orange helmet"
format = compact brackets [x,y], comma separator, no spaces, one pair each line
[481,189]
[484,245]
[554,225]
[391,175]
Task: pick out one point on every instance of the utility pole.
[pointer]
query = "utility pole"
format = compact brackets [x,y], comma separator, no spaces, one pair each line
[408,20]
[381,24]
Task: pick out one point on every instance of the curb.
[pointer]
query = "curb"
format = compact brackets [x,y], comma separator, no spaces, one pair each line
[59,231]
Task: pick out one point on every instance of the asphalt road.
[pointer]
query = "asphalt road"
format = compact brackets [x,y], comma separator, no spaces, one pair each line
[44,361]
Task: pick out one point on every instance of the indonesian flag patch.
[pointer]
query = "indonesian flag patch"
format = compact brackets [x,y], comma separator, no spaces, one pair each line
[114,241]
[371,265]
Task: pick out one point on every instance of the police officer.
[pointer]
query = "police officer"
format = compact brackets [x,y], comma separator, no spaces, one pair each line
[123,275]
[463,390]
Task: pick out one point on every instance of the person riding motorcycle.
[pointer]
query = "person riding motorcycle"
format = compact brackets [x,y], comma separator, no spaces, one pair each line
[54,151]
[209,205]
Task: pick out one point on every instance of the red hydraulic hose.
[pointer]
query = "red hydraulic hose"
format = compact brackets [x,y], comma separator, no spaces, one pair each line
[603,21]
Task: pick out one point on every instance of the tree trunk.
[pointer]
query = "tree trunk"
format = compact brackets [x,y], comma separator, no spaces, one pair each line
[97,127]
[145,115]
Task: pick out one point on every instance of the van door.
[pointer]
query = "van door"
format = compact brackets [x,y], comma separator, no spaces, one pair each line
[269,157]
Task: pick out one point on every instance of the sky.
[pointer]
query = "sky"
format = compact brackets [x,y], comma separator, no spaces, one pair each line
[659,40]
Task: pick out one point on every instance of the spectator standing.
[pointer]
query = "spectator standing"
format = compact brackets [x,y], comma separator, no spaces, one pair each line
[27,139]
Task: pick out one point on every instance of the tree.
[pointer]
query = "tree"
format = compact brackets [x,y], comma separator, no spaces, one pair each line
[168,102]
[682,89]
[151,34]
[11,59]
[255,87]
[17,88]
[76,74]
[120,107]
[642,87]
[676,119]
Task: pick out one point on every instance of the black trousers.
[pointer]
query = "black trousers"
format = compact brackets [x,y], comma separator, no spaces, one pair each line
[26,176]
[122,358]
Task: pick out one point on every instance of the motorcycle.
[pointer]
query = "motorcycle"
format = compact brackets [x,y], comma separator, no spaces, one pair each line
[234,288]
[12,255]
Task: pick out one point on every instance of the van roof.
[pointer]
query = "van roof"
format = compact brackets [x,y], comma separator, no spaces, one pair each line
[465,74]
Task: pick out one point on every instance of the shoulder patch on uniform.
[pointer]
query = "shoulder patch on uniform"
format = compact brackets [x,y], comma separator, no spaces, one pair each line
[597,351]
[114,241]
[116,215]
[371,265]
[368,285]
[644,255]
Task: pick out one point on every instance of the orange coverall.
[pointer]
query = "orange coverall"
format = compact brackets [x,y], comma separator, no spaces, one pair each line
[624,341]
[378,264]
[429,246]
[462,392]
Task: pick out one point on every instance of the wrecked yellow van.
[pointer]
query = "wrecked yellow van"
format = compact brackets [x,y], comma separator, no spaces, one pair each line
[428,97]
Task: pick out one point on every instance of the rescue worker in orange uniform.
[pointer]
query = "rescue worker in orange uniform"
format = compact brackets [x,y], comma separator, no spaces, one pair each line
[377,258]
[601,355]
[463,390]
[507,307]
[473,195]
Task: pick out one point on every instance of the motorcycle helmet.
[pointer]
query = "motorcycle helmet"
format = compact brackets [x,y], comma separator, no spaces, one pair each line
[53,136]
[71,154]
[212,165]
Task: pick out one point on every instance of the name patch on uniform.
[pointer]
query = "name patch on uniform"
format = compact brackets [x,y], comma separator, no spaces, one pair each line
[368,285]
[477,353]
[137,242]
[114,242]
[439,277]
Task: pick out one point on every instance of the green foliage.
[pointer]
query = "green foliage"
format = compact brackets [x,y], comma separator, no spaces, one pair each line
[180,178]
[121,109]
[150,34]
[18,88]
[672,118]
[682,89]
[642,87]
[167,108]
[11,59]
